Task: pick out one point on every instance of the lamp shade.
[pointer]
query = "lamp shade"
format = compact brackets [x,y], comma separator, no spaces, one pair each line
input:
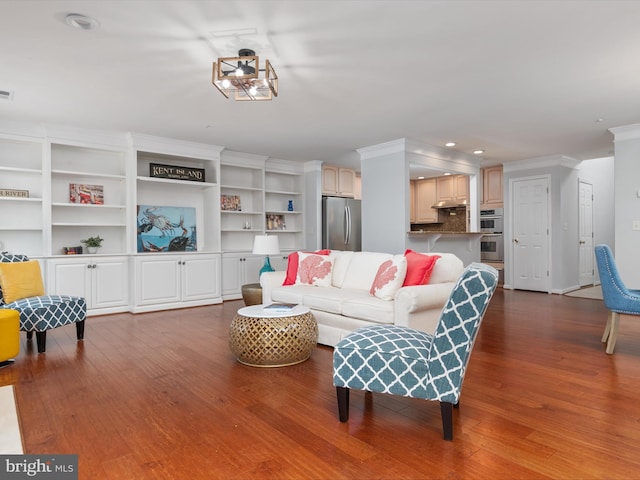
[266,245]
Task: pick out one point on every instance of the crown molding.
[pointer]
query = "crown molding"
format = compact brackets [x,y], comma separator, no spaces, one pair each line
[540,162]
[626,132]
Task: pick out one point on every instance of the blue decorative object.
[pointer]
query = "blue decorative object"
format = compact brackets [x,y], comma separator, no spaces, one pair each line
[290,206]
[267,266]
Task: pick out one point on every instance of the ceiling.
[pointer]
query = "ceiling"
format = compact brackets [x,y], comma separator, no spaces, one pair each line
[517,79]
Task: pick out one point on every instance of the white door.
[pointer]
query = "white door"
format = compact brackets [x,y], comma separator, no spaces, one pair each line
[530,231]
[585,219]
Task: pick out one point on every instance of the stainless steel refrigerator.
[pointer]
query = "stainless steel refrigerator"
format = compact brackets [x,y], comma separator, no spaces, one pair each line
[341,224]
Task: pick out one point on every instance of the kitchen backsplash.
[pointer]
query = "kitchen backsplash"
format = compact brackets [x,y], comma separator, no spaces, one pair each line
[449,220]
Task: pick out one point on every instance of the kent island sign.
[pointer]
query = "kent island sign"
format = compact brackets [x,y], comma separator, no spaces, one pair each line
[158,170]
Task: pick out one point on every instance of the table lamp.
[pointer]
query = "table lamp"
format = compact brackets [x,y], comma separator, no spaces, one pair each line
[266,245]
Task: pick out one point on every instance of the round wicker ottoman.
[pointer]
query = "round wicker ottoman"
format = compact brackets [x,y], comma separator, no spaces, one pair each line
[261,338]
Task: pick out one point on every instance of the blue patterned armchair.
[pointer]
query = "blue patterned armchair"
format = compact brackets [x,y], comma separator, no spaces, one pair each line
[41,313]
[403,361]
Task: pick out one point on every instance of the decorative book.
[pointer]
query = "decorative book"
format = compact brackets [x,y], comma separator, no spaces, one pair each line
[230,203]
[279,307]
[88,194]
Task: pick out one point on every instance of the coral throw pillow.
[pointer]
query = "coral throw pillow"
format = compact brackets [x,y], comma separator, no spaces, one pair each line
[314,269]
[419,268]
[389,278]
[20,280]
[292,266]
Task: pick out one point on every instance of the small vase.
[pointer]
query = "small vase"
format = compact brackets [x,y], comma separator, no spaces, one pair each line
[92,249]
[290,206]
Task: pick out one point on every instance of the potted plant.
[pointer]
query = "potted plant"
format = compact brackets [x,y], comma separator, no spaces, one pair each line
[93,243]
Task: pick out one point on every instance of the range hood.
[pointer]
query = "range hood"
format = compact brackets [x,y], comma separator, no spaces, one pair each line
[449,204]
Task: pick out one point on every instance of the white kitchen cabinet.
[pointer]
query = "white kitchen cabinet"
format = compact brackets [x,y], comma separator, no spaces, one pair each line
[102,281]
[338,181]
[166,281]
[239,269]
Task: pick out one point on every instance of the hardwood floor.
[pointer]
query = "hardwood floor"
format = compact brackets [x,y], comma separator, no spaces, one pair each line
[160,396]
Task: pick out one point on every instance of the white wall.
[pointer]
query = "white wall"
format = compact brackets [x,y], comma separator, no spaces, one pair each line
[627,203]
[385,203]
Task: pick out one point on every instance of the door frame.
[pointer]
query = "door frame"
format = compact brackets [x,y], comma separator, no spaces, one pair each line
[593,271]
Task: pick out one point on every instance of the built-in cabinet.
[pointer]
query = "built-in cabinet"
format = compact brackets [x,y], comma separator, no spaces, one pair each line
[175,281]
[338,181]
[452,188]
[102,280]
[21,168]
[42,215]
[492,192]
[239,269]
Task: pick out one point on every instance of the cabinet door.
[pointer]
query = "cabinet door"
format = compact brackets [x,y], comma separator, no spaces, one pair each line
[158,280]
[461,188]
[252,266]
[425,198]
[412,202]
[110,283]
[70,278]
[232,266]
[329,180]
[200,277]
[492,186]
[346,182]
[444,188]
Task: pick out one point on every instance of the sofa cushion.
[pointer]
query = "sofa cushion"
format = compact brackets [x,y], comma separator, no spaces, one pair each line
[448,268]
[292,266]
[368,308]
[363,268]
[389,278]
[340,266]
[330,299]
[419,268]
[314,269]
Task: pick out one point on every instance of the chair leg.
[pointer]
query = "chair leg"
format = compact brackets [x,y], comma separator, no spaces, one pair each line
[607,328]
[613,334]
[343,403]
[446,411]
[29,335]
[41,339]
[80,330]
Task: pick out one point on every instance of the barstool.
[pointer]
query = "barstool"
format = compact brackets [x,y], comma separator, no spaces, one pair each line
[9,336]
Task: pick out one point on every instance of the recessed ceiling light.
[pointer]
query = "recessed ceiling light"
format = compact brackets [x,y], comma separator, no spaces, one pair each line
[420,178]
[599,120]
[478,152]
[82,22]
[447,173]
[450,144]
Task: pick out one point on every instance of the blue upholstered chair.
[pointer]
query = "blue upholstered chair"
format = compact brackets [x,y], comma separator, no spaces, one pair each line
[618,299]
[41,313]
[403,361]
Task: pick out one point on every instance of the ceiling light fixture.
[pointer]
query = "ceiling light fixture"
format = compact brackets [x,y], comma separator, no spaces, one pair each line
[76,20]
[478,152]
[450,144]
[241,75]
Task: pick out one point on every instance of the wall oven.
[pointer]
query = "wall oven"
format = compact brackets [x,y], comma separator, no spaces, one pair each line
[492,242]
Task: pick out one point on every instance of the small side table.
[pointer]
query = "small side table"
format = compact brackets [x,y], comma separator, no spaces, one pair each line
[261,338]
[252,294]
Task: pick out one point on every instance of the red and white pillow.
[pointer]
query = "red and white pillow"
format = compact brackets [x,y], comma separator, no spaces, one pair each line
[389,278]
[292,266]
[419,268]
[314,269]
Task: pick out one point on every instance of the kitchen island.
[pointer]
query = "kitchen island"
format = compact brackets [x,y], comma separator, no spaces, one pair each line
[466,245]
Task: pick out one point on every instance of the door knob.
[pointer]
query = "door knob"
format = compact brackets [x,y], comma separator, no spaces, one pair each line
[515,240]
[582,242]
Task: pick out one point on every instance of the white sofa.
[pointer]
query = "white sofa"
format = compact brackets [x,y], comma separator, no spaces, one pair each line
[347,303]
